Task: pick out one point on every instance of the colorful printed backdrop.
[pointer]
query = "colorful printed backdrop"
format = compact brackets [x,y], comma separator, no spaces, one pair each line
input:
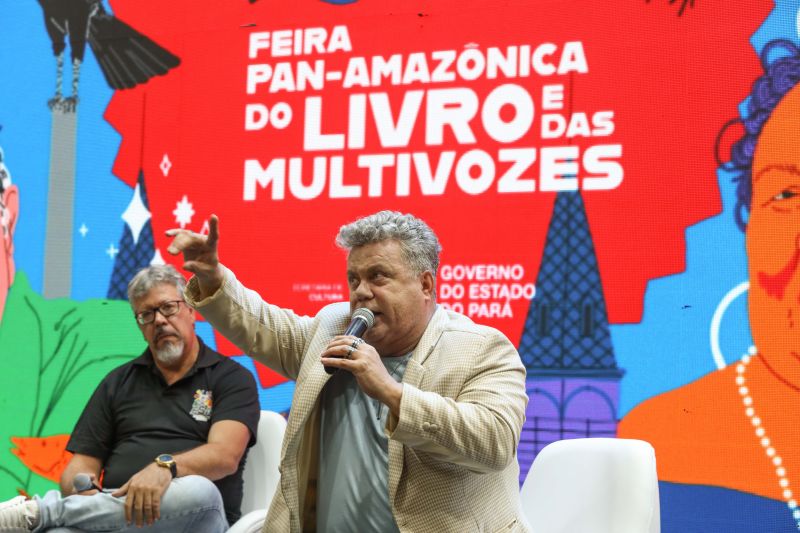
[588,166]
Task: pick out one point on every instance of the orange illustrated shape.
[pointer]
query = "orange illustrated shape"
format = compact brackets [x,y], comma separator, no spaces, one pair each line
[46,456]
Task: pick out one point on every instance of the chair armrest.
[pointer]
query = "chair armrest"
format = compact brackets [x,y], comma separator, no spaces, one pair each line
[252,522]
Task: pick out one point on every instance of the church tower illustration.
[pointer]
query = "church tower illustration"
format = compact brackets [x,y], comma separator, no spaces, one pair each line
[573,379]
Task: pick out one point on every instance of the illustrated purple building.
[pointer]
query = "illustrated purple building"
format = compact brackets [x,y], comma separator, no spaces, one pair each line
[573,379]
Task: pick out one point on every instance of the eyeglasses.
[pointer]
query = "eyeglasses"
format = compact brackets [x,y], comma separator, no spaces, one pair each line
[166,309]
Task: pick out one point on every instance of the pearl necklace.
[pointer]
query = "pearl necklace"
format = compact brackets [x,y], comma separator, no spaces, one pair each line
[761,433]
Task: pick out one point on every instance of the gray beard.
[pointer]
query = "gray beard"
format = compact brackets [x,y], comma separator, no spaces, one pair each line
[170,354]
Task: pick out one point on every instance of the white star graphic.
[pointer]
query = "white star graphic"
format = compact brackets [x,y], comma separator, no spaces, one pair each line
[112,251]
[136,214]
[183,212]
[165,165]
[83,230]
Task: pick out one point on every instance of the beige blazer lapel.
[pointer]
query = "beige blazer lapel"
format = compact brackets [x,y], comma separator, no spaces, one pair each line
[310,381]
[312,376]
[415,371]
[306,396]
[430,337]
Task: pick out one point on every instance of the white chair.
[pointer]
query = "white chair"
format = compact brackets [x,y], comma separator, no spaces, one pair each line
[261,474]
[593,486]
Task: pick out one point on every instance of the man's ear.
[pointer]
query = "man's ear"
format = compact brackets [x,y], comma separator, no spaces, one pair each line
[428,284]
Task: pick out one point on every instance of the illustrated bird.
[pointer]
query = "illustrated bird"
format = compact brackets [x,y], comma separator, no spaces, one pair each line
[126,57]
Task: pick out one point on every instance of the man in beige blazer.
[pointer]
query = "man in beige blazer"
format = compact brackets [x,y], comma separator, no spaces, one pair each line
[418,429]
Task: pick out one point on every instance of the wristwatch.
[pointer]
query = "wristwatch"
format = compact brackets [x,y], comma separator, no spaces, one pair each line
[165,460]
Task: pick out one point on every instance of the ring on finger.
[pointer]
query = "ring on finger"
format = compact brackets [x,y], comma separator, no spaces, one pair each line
[349,352]
[356,343]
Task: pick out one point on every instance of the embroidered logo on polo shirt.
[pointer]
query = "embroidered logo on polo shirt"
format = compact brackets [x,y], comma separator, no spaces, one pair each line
[201,407]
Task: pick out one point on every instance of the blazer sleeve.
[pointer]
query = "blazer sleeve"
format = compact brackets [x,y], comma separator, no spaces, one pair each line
[274,336]
[470,411]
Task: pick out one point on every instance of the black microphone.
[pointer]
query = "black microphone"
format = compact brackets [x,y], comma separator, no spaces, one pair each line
[82,482]
[360,322]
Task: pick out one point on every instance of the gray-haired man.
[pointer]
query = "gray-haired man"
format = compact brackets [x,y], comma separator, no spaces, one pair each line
[418,430]
[168,430]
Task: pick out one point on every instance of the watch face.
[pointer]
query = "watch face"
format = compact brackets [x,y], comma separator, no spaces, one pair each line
[165,460]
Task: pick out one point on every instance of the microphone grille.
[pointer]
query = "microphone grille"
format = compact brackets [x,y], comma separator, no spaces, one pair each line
[366,314]
[82,482]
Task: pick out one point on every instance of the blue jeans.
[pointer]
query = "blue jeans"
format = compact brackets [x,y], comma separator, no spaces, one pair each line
[191,504]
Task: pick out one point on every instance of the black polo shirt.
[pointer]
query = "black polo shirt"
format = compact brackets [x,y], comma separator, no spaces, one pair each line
[133,416]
